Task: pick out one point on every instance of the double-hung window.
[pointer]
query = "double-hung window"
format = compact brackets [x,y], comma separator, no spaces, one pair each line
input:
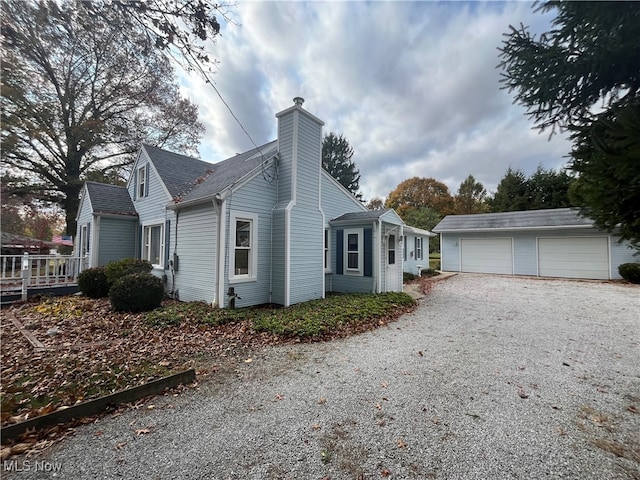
[141,185]
[153,244]
[327,257]
[354,252]
[243,257]
[84,240]
[418,248]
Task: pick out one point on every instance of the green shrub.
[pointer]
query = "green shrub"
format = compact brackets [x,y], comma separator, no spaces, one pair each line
[429,272]
[138,292]
[126,266]
[160,318]
[93,282]
[321,317]
[630,272]
[408,277]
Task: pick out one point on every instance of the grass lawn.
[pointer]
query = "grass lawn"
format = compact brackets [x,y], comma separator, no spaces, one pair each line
[434,260]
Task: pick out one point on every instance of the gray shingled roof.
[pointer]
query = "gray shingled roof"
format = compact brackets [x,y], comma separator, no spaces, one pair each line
[178,172]
[530,219]
[229,171]
[110,199]
[368,215]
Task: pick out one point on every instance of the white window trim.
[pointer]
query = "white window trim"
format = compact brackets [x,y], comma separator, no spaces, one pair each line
[392,247]
[84,241]
[252,276]
[354,271]
[327,250]
[419,248]
[141,183]
[143,242]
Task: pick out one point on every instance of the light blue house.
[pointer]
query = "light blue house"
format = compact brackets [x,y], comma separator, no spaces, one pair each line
[266,226]
[547,243]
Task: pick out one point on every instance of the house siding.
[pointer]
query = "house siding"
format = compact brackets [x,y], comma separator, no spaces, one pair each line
[345,283]
[525,248]
[335,200]
[410,265]
[278,258]
[253,292]
[307,229]
[285,152]
[195,245]
[152,207]
[85,217]
[117,238]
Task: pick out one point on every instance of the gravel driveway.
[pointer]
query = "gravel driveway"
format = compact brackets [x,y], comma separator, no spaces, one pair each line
[491,377]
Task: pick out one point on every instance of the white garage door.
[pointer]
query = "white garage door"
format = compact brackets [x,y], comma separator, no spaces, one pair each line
[486,255]
[574,257]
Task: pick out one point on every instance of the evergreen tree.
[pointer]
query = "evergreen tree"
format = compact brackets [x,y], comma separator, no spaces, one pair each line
[470,197]
[583,76]
[337,160]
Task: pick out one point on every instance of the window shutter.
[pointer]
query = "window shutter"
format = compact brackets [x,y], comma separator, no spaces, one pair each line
[135,183]
[339,251]
[368,252]
[146,180]
[415,248]
[88,237]
[167,241]
[404,250]
[139,249]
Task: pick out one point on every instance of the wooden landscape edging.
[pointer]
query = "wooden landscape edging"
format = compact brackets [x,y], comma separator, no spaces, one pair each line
[97,405]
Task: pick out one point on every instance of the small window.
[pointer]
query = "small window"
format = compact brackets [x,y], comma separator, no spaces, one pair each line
[354,257]
[153,244]
[352,251]
[391,250]
[243,247]
[242,258]
[326,249]
[142,182]
[84,240]
[418,249]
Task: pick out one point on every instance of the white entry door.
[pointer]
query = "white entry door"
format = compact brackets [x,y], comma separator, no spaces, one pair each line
[391,270]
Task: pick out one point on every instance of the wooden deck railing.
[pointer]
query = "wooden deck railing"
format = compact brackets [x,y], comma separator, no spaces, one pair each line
[21,272]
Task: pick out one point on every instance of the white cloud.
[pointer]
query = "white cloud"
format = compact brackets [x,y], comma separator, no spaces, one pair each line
[412,86]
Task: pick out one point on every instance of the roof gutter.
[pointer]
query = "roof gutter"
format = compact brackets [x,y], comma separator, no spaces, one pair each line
[501,229]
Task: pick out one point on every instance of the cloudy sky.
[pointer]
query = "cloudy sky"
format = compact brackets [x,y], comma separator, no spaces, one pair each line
[413,86]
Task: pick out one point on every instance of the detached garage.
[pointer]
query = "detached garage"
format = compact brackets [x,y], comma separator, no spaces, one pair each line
[545,243]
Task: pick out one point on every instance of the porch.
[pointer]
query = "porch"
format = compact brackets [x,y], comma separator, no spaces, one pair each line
[24,275]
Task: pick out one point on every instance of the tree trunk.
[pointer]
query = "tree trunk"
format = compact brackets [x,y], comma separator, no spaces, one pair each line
[70,205]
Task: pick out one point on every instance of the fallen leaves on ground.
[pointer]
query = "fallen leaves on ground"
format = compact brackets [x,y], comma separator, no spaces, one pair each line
[91,351]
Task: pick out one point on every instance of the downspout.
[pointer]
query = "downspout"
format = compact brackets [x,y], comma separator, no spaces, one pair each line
[378,257]
[96,241]
[271,234]
[172,258]
[221,206]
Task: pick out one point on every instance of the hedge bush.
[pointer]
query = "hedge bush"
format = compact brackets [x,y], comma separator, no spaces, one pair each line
[137,292]
[630,272]
[126,266]
[93,282]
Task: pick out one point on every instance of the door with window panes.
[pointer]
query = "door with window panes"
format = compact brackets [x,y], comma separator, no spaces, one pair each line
[391,267]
